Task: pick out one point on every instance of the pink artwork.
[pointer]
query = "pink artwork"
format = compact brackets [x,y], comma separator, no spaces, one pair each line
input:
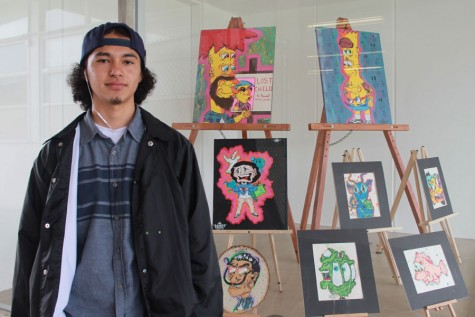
[426,271]
[244,181]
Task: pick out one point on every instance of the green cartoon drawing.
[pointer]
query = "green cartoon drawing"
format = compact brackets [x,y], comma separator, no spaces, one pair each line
[338,272]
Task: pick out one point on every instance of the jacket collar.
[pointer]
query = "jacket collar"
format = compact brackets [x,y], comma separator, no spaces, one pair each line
[156,128]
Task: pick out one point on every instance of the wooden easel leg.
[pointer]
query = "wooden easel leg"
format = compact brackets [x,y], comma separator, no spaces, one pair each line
[230,240]
[193,135]
[335,217]
[401,170]
[427,312]
[383,238]
[293,234]
[440,306]
[452,310]
[276,263]
[322,171]
[311,182]
[446,227]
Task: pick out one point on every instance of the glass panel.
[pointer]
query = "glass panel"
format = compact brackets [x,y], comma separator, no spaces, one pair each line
[18,117]
[14,58]
[14,91]
[13,18]
[62,51]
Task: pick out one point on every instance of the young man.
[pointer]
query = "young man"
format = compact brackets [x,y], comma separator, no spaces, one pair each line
[115,220]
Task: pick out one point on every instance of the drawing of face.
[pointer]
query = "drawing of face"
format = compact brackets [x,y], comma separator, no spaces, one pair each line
[222,63]
[243,93]
[245,172]
[338,272]
[241,274]
[349,49]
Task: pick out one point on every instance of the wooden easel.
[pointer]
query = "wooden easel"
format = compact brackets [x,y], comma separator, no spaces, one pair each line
[426,222]
[440,306]
[317,176]
[244,128]
[320,157]
[381,232]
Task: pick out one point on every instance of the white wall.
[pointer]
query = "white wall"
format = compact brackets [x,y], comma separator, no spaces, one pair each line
[427,50]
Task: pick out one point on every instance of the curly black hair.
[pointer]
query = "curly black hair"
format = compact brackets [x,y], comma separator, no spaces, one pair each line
[81,92]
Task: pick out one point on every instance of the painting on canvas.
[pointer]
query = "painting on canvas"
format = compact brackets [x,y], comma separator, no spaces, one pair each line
[235,76]
[353,77]
[250,184]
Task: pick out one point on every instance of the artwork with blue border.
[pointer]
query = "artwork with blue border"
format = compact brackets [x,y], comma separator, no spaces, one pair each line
[353,78]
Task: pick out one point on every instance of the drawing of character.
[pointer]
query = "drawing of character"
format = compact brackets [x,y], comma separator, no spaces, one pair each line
[426,271]
[243,95]
[221,94]
[359,191]
[338,272]
[245,175]
[241,275]
[436,190]
[219,47]
[357,94]
[244,182]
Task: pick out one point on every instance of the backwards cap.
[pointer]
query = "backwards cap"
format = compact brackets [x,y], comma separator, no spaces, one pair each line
[95,38]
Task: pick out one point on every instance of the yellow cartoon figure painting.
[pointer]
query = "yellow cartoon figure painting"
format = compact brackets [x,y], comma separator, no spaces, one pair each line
[357,94]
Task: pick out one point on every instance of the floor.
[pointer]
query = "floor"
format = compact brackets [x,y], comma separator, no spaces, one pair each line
[289,302]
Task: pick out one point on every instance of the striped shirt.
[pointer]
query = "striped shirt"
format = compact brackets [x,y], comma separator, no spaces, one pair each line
[106,283]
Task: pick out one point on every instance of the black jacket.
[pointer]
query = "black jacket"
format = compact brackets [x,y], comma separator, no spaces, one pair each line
[173,240]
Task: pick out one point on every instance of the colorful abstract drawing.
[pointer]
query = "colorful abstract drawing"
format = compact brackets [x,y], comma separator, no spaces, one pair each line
[429,271]
[353,78]
[245,278]
[435,187]
[436,190]
[362,195]
[250,184]
[235,76]
[337,271]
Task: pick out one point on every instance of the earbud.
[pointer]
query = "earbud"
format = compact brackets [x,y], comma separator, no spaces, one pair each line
[85,77]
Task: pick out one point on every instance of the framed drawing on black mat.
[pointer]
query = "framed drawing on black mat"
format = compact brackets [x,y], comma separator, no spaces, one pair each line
[435,189]
[250,184]
[361,195]
[337,272]
[428,269]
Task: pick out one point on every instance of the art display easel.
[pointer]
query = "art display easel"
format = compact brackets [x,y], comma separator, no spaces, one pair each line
[426,223]
[381,232]
[440,306]
[318,170]
[244,128]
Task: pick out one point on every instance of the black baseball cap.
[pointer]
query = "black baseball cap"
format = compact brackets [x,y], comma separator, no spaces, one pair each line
[95,38]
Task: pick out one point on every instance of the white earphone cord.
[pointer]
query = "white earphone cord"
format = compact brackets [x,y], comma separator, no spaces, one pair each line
[90,94]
